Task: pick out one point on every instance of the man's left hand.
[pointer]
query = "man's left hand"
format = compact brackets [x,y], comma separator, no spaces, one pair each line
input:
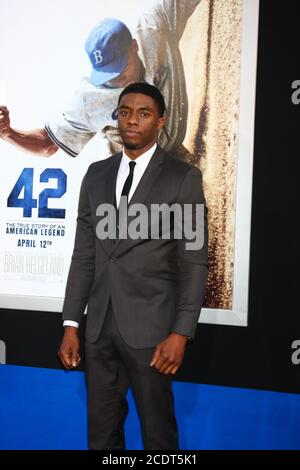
[168,355]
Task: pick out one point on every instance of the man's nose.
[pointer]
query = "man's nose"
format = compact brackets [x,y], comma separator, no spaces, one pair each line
[133,119]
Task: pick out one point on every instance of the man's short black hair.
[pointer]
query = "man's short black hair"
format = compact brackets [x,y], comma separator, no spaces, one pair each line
[146,89]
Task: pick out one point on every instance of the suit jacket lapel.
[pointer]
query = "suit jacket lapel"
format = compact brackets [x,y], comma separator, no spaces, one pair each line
[111,178]
[144,187]
[110,193]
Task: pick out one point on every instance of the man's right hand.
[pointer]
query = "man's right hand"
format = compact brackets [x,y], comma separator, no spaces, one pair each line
[4,121]
[69,348]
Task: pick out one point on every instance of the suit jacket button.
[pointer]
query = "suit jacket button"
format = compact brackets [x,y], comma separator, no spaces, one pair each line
[113,259]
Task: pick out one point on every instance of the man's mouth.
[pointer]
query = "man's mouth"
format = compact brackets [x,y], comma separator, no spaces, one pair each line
[131,132]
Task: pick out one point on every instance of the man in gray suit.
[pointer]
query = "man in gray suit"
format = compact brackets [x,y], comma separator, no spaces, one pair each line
[144,295]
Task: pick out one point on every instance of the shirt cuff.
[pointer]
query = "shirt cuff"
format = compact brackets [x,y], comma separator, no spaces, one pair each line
[71,323]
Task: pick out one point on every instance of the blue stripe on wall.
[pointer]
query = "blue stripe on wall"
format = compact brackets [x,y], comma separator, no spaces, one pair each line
[46,409]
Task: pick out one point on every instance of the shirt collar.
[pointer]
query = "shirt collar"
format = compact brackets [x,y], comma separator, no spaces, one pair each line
[141,162]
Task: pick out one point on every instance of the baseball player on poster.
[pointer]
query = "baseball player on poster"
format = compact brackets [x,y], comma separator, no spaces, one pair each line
[117,60]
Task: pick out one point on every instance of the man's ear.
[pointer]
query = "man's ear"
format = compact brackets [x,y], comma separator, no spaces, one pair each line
[134,46]
[161,121]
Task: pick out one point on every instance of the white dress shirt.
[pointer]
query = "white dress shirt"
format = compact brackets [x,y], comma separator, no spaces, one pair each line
[141,164]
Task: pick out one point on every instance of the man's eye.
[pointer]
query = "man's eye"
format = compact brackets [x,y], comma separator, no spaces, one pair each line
[124,113]
[144,114]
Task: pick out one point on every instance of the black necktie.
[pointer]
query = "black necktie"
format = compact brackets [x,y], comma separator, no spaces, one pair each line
[125,193]
[128,182]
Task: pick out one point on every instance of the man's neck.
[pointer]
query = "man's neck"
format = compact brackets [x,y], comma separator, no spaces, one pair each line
[133,154]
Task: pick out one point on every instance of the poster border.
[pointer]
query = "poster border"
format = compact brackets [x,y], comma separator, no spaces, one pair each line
[238,315]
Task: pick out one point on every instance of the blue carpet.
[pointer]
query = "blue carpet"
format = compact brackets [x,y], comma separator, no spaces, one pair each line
[46,409]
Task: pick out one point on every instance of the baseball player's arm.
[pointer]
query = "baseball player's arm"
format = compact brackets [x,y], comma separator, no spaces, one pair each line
[172,14]
[35,141]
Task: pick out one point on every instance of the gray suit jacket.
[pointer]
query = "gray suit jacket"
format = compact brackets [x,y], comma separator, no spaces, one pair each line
[156,285]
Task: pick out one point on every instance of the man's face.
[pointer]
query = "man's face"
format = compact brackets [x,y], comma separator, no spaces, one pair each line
[132,72]
[139,121]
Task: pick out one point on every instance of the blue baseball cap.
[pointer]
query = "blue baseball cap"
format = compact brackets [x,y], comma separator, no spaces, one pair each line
[107,47]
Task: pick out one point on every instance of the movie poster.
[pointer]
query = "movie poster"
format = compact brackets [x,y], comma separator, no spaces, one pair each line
[202,56]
